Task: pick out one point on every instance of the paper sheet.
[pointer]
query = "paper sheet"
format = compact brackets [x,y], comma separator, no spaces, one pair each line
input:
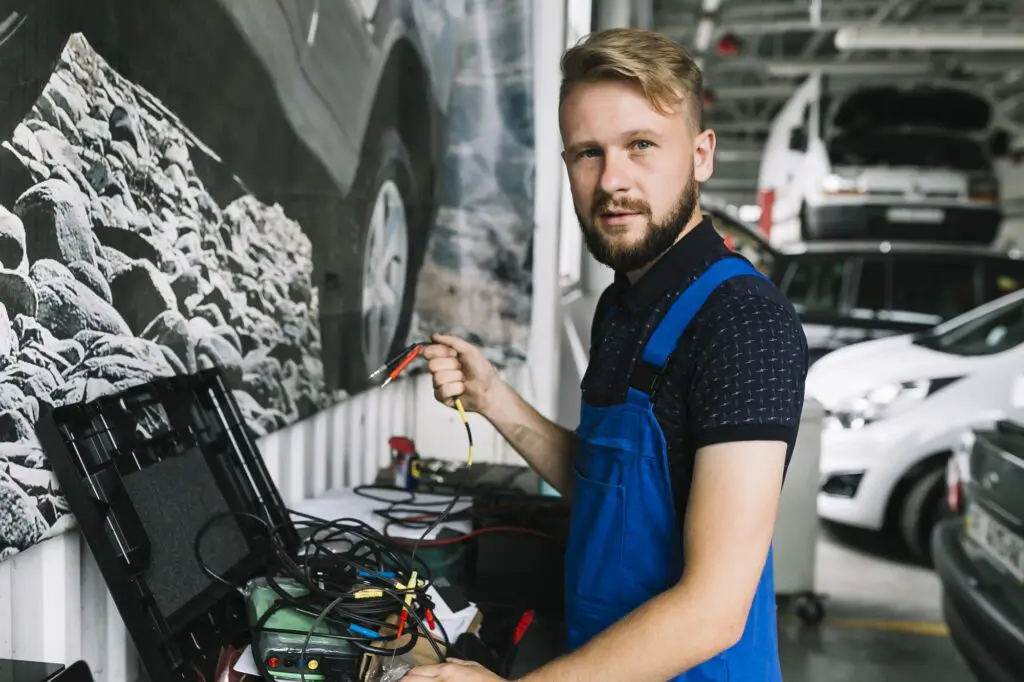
[246,663]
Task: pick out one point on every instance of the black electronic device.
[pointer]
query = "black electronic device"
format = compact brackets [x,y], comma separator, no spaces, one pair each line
[38,671]
[442,476]
[525,570]
[148,471]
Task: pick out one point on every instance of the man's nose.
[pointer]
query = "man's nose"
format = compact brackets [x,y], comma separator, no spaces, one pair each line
[615,177]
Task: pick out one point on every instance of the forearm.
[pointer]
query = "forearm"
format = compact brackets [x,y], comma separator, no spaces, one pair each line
[670,634]
[547,447]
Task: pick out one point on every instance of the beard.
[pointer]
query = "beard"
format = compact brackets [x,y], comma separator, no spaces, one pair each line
[657,238]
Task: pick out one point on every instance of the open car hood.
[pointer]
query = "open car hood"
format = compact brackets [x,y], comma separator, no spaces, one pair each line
[890,106]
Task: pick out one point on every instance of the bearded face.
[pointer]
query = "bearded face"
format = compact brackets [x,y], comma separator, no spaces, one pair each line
[625,235]
[633,170]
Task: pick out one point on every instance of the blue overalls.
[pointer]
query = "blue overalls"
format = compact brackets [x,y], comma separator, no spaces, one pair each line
[625,542]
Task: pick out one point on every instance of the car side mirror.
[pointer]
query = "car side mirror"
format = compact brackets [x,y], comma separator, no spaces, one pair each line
[999,143]
[798,139]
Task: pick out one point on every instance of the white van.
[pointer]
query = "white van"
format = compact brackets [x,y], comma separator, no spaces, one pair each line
[882,162]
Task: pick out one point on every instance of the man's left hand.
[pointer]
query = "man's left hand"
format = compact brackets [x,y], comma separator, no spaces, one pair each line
[452,671]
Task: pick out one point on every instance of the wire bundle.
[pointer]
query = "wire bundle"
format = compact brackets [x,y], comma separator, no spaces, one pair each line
[353,580]
[411,513]
[360,583]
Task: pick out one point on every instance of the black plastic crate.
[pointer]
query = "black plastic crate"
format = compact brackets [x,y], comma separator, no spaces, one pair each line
[145,471]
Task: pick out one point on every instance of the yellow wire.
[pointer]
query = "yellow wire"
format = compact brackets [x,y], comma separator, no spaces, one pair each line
[465,421]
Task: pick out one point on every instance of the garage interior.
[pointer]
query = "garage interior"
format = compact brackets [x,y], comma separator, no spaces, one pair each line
[869,161]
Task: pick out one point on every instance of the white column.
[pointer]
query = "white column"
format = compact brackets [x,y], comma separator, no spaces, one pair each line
[613,13]
[546,316]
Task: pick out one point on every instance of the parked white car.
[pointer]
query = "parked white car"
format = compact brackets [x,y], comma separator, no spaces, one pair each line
[896,408]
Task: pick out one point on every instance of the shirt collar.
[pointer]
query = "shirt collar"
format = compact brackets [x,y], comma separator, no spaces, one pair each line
[684,261]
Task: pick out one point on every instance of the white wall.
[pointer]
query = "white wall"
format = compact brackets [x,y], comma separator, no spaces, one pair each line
[54,605]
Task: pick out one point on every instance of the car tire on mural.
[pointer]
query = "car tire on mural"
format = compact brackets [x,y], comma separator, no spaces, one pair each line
[388,217]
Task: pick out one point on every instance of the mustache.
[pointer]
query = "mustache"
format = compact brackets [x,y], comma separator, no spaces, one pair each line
[627,205]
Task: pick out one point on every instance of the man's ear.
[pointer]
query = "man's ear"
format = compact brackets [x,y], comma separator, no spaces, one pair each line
[704,155]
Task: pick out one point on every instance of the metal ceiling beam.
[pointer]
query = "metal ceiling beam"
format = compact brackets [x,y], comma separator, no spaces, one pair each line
[803,67]
[768,11]
[873,67]
[757,11]
[769,25]
[730,184]
[734,197]
[729,152]
[740,126]
[774,91]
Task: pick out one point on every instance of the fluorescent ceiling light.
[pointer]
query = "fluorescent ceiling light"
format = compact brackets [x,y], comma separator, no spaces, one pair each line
[710,6]
[902,38]
[704,30]
[878,68]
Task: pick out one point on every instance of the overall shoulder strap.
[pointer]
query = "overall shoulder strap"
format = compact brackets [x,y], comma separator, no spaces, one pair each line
[668,332]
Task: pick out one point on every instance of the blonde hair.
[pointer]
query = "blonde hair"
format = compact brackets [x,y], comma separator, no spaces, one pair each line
[657,64]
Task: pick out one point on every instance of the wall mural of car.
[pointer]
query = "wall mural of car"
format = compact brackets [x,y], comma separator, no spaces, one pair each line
[336,110]
[286,189]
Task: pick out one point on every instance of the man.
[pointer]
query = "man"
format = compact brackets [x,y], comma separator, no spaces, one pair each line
[691,400]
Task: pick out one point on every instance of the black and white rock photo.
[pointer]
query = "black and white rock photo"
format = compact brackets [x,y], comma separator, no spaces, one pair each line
[118,267]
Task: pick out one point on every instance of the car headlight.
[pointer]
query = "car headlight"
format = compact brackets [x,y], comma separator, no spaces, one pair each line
[882,402]
[834,183]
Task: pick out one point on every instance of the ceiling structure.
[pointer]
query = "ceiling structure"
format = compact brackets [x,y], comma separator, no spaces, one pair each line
[755,53]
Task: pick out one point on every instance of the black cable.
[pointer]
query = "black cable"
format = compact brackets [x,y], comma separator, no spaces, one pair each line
[331,576]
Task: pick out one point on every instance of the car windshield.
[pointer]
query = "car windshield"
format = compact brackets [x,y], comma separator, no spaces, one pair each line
[896,149]
[994,331]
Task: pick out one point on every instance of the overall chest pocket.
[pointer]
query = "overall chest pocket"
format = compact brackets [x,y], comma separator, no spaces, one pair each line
[601,477]
[619,551]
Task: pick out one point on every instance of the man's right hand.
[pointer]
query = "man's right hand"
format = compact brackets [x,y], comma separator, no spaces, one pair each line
[460,370]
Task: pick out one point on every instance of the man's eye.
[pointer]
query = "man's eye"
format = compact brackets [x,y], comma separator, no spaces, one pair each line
[643,144]
[587,154]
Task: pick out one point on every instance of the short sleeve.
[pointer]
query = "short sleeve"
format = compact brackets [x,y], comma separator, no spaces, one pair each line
[750,374]
[604,305]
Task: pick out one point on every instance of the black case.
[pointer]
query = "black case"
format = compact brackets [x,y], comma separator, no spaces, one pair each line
[143,471]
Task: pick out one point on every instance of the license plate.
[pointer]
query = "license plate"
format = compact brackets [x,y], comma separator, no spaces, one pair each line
[1005,546]
[915,215]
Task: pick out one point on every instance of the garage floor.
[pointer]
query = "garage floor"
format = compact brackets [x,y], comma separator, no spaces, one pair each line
[883,623]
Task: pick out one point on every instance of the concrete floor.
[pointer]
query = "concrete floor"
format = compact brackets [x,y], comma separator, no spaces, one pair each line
[883,622]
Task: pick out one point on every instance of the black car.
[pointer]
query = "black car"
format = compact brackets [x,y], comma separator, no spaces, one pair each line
[979,554]
[850,291]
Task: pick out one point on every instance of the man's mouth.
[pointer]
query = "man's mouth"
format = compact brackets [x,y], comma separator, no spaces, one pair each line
[618,214]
